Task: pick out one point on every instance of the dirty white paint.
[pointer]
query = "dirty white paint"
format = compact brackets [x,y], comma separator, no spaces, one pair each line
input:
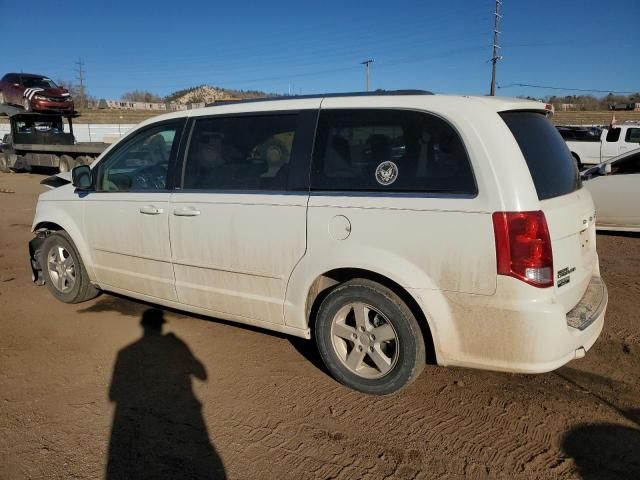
[255,257]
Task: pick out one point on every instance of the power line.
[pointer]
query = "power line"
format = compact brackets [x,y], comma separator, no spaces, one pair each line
[596,90]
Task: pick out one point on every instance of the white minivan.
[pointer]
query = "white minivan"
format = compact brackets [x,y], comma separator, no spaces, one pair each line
[394,228]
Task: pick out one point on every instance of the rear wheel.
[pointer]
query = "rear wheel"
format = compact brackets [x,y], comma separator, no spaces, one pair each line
[63,270]
[368,338]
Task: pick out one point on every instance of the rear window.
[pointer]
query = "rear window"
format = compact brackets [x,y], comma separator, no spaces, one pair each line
[552,167]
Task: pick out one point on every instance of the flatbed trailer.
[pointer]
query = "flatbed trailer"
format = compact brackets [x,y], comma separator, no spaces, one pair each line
[39,140]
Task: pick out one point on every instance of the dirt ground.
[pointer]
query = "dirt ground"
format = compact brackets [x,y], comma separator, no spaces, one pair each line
[245,403]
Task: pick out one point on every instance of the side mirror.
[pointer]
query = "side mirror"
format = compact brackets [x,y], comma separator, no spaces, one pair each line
[605,169]
[81,177]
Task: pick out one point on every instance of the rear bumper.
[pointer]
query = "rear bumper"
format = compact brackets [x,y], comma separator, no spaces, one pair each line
[515,335]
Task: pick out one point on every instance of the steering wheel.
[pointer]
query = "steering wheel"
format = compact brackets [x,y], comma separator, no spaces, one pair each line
[151,177]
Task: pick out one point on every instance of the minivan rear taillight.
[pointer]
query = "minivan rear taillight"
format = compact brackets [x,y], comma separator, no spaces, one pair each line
[523,247]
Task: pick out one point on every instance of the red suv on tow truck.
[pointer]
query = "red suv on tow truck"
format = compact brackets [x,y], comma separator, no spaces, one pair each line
[34,92]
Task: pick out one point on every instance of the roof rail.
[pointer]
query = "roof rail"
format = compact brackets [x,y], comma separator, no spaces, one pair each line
[324,95]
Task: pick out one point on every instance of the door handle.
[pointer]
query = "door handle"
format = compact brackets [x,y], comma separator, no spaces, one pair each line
[186,212]
[150,210]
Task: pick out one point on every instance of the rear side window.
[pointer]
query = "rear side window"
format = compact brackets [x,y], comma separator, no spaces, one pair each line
[633,135]
[613,135]
[240,153]
[387,150]
[552,167]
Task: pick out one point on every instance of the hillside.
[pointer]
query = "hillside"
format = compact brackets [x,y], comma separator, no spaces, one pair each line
[207,94]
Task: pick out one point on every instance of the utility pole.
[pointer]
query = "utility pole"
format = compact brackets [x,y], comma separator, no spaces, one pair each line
[496,47]
[80,77]
[366,63]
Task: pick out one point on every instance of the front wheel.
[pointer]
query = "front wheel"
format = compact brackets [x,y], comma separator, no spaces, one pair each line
[63,270]
[368,338]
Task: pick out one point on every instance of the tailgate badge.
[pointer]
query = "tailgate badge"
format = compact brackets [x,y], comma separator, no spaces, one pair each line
[564,275]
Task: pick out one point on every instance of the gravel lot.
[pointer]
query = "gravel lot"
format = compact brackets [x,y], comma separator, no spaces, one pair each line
[245,403]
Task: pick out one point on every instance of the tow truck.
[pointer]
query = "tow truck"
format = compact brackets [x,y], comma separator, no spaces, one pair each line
[40,140]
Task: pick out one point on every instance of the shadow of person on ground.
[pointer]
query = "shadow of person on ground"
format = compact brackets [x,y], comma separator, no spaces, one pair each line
[158,429]
[604,451]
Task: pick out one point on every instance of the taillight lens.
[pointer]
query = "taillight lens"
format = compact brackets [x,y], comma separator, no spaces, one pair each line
[523,247]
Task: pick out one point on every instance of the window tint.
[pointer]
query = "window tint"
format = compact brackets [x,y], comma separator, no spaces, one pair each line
[626,166]
[613,135]
[633,135]
[240,153]
[142,163]
[552,167]
[389,151]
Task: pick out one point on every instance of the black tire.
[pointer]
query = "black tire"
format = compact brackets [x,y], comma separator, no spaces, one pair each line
[408,349]
[81,290]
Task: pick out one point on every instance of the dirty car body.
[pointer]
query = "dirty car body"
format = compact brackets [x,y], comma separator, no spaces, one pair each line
[388,226]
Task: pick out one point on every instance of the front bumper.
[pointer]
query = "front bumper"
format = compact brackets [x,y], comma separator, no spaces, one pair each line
[45,105]
[34,257]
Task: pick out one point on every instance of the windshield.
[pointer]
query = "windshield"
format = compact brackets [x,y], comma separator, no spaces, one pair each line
[34,82]
[549,160]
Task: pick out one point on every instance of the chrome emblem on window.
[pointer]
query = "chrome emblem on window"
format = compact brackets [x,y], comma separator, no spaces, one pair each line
[386,173]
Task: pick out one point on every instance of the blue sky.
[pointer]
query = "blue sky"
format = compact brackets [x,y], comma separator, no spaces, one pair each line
[313,47]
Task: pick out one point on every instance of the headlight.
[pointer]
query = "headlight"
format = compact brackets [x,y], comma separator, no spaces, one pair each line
[39,97]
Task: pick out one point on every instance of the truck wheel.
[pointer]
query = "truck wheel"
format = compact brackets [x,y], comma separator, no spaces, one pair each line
[63,270]
[368,338]
[66,163]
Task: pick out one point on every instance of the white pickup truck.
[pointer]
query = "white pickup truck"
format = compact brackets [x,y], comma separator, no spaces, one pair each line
[591,150]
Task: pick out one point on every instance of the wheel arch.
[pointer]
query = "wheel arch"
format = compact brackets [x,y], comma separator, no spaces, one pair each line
[324,283]
[63,221]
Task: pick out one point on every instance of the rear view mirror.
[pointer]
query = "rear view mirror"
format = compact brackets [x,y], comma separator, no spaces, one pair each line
[81,176]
